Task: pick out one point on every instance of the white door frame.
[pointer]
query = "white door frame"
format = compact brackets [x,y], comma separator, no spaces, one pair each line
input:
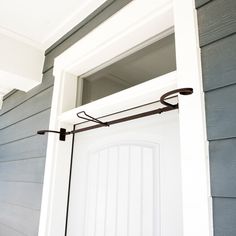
[138,22]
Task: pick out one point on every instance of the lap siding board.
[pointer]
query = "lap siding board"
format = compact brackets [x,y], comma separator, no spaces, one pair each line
[217,28]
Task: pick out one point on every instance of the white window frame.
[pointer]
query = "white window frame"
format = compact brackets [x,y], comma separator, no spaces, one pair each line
[118,35]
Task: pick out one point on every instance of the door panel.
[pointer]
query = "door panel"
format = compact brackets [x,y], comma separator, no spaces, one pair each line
[126,180]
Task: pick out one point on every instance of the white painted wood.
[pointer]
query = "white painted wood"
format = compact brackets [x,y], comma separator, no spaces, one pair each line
[21,65]
[135,189]
[121,223]
[54,197]
[148,206]
[135,96]
[143,162]
[197,213]
[121,36]
[112,193]
[53,207]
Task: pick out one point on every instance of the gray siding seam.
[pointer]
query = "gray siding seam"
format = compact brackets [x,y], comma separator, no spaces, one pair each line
[28,117]
[21,206]
[16,140]
[214,41]
[22,159]
[48,69]
[9,227]
[26,100]
[80,26]
[9,94]
[223,197]
[209,31]
[220,87]
[221,138]
[20,181]
[49,83]
[202,5]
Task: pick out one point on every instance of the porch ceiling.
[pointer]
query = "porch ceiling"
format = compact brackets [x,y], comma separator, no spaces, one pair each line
[27,29]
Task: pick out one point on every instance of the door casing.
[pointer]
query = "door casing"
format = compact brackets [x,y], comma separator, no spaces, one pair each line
[151,20]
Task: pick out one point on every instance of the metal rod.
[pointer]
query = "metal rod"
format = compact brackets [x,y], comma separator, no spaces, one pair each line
[91,118]
[168,107]
[124,119]
[182,91]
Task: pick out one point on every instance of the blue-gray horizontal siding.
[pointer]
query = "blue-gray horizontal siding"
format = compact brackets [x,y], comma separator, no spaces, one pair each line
[224,216]
[217,32]
[22,152]
[223,167]
[217,20]
[200,3]
[219,63]
[22,158]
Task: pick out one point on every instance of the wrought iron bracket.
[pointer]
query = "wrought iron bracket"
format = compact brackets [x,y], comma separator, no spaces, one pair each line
[181,91]
[83,115]
[62,133]
[90,118]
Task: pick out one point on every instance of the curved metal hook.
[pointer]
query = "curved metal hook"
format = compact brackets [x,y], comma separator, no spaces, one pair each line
[182,91]
[91,118]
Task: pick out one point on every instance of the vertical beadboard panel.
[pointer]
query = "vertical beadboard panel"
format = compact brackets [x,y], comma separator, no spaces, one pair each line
[135,191]
[91,199]
[148,209]
[101,193]
[123,180]
[112,189]
[120,192]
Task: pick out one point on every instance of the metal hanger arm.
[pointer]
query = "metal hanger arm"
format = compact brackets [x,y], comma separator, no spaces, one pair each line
[167,107]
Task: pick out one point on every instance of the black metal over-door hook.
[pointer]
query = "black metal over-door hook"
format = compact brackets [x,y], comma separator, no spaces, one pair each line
[90,118]
[62,133]
[83,115]
[182,91]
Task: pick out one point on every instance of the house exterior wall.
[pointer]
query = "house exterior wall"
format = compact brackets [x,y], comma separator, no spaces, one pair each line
[22,151]
[217,28]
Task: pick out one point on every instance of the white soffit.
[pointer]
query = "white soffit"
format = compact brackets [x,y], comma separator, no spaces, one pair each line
[27,29]
[42,23]
[20,65]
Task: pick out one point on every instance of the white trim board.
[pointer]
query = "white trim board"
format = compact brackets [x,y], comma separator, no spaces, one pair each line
[117,102]
[148,21]
[112,34]
[21,65]
[197,213]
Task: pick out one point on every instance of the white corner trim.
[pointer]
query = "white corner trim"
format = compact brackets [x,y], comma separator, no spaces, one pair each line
[197,215]
[74,19]
[21,65]
[16,81]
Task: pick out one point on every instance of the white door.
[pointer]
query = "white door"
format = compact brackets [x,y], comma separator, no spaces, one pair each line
[126,179]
